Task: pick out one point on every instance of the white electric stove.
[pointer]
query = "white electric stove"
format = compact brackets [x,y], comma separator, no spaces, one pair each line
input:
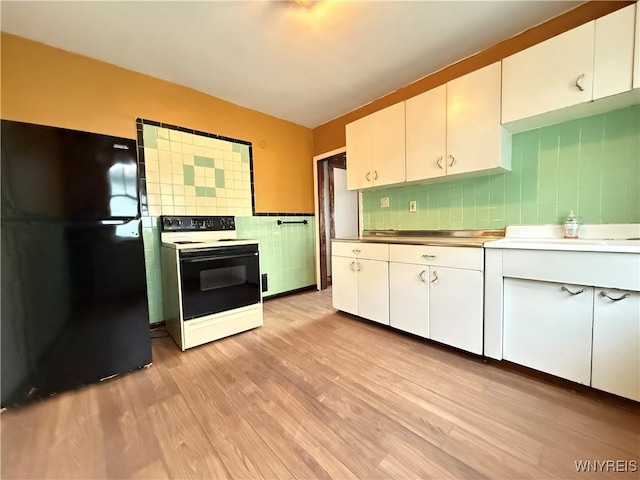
[210,277]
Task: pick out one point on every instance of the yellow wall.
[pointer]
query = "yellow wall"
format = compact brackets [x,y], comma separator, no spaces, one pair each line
[49,86]
[331,135]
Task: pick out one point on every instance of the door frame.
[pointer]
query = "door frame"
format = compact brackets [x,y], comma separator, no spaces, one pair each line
[316,162]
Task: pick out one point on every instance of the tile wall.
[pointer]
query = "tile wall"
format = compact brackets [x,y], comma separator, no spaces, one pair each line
[190,174]
[590,165]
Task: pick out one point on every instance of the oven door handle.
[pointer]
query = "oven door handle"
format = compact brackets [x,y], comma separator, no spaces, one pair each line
[212,258]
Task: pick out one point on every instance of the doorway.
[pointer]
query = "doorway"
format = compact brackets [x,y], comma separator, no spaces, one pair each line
[337,210]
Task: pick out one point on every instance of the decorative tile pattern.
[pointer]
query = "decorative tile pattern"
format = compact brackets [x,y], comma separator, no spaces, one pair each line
[190,174]
[589,165]
[193,173]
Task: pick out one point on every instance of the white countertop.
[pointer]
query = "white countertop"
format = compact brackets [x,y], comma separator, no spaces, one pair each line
[577,245]
[620,238]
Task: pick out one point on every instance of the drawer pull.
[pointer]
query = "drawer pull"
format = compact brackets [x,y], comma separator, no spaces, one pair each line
[565,289]
[439,162]
[368,176]
[356,251]
[421,276]
[357,266]
[578,83]
[613,299]
[435,277]
[453,160]
[429,257]
[353,266]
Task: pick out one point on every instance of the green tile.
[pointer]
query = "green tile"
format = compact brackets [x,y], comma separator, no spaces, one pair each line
[149,136]
[198,161]
[497,189]
[219,178]
[208,162]
[483,191]
[201,191]
[189,175]
[209,192]
[243,150]
[548,213]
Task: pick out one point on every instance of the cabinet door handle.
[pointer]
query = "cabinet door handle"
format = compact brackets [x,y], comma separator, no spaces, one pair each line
[429,257]
[435,277]
[375,174]
[439,162]
[356,251]
[613,299]
[453,160]
[578,83]
[353,266]
[578,292]
[368,176]
[421,276]
[357,266]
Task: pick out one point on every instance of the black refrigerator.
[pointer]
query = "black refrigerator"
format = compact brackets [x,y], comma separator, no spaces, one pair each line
[73,291]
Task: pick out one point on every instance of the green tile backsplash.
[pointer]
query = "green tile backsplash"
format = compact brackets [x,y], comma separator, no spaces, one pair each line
[189,174]
[590,166]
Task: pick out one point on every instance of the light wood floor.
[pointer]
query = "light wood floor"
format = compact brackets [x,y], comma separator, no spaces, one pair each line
[316,394]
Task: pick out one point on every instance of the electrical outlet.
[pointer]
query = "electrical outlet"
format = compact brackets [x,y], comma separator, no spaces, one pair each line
[384,202]
[413,206]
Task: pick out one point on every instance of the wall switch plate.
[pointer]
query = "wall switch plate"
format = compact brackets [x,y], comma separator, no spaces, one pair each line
[413,206]
[384,202]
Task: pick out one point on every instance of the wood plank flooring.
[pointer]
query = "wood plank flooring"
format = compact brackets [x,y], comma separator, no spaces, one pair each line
[318,394]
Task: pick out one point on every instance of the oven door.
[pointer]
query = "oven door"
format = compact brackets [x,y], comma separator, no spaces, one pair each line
[218,279]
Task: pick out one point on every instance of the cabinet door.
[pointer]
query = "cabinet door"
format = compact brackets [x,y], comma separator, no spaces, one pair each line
[344,289]
[455,308]
[388,145]
[474,132]
[548,328]
[359,154]
[616,345]
[426,134]
[373,290]
[542,78]
[613,63]
[409,298]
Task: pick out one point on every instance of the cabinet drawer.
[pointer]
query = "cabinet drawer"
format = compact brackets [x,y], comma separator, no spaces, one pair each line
[371,251]
[457,257]
[613,270]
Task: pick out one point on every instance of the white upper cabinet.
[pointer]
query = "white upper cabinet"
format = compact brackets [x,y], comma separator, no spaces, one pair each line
[554,74]
[476,141]
[613,61]
[589,69]
[359,153]
[376,149]
[389,145]
[455,128]
[426,116]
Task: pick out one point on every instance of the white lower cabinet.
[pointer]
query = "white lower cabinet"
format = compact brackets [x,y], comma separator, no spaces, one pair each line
[360,280]
[455,308]
[409,298]
[547,327]
[616,342]
[436,292]
[344,281]
[373,290]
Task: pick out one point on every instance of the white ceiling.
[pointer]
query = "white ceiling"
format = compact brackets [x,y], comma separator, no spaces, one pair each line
[305,64]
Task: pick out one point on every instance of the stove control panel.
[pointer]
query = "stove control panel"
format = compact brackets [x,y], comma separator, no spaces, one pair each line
[197,224]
